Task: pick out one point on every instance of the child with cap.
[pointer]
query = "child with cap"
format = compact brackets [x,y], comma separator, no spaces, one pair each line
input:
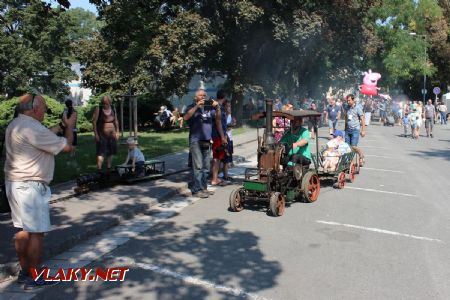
[135,158]
[405,121]
[335,148]
[413,118]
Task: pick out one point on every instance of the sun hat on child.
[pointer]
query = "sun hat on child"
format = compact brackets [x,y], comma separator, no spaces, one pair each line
[131,141]
[338,133]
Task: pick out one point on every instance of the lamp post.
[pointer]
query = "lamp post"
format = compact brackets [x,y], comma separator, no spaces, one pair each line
[424,90]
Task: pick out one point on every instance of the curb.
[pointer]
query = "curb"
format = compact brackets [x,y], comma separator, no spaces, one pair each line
[10,269]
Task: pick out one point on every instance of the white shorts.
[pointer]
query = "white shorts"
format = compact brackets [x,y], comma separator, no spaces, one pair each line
[30,207]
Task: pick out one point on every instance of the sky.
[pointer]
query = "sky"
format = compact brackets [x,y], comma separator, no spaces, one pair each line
[83,4]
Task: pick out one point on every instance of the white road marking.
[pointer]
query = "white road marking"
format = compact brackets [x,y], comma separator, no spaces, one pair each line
[382,231]
[380,156]
[199,282]
[379,191]
[372,147]
[383,170]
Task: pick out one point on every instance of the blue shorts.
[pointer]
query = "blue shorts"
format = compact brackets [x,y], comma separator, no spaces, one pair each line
[352,137]
[332,124]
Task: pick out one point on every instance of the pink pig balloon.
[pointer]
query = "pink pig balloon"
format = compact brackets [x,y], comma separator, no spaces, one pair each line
[369,86]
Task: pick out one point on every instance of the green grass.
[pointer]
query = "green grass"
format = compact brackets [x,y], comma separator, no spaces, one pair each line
[152,144]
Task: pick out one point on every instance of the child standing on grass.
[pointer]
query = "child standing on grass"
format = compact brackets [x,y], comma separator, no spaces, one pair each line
[135,158]
[405,122]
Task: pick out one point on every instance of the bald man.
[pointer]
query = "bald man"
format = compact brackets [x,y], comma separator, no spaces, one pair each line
[200,122]
[29,167]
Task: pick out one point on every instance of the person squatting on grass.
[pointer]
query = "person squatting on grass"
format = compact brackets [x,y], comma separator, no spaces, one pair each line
[135,158]
[29,168]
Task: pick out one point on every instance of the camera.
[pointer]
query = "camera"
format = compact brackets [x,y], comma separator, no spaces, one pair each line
[208,103]
[69,108]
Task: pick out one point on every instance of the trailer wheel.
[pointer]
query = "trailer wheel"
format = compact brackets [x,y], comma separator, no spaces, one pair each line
[352,172]
[341,180]
[311,186]
[277,204]
[356,163]
[236,201]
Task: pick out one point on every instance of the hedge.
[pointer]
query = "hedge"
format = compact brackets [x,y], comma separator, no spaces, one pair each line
[7,112]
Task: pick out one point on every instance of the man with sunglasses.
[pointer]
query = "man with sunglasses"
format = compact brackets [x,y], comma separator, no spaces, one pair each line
[29,167]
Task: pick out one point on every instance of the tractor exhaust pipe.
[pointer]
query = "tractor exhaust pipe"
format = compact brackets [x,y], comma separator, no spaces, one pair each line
[269,139]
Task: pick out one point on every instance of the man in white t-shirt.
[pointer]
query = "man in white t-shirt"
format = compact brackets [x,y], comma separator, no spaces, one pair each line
[443,112]
[29,168]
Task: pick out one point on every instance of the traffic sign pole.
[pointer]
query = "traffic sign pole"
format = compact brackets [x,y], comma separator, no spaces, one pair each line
[436,91]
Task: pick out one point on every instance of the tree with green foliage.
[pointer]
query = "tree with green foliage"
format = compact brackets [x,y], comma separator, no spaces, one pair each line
[85,24]
[281,47]
[410,39]
[35,48]
[98,68]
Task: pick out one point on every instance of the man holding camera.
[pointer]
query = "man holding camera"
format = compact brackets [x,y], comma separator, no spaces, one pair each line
[29,167]
[199,117]
[219,137]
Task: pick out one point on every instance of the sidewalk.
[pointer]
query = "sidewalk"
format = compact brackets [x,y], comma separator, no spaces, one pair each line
[78,218]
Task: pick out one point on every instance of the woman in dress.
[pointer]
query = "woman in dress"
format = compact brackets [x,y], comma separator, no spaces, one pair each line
[106,131]
[419,115]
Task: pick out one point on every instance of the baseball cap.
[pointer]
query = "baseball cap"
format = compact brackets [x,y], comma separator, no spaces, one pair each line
[338,133]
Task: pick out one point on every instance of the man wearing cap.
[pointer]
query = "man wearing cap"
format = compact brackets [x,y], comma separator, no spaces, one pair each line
[354,125]
[297,141]
[29,167]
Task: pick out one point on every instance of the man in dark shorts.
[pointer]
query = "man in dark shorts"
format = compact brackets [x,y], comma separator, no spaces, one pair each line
[354,125]
[106,132]
[429,113]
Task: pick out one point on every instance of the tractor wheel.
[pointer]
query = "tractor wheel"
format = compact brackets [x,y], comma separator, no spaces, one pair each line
[356,162]
[311,186]
[277,204]
[341,180]
[352,172]
[236,201]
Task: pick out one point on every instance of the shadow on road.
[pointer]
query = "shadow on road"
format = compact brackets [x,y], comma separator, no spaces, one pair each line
[433,153]
[207,251]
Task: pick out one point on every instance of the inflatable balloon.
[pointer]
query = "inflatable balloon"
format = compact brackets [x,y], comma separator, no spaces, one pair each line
[369,86]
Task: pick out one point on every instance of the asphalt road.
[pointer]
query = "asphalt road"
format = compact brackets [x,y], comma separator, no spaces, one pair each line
[385,236]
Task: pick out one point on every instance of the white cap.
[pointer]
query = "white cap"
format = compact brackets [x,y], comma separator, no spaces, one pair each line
[131,141]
